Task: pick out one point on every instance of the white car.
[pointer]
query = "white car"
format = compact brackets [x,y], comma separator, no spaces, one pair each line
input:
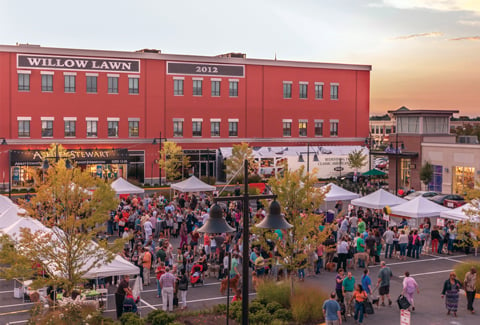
[426,194]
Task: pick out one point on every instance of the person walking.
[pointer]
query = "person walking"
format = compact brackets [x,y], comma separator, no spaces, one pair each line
[359,296]
[470,287]
[348,287]
[167,282]
[183,288]
[339,285]
[147,265]
[122,290]
[450,292]
[367,282]
[342,251]
[409,288]
[332,311]
[384,276]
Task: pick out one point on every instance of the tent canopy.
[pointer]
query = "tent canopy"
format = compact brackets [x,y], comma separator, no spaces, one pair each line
[10,216]
[374,172]
[5,203]
[121,186]
[338,193]
[419,207]
[459,213]
[193,184]
[378,200]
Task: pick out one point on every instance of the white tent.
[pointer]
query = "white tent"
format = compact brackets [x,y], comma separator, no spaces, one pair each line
[193,184]
[418,208]
[5,203]
[121,186]
[24,222]
[10,216]
[459,213]
[338,193]
[119,266]
[378,200]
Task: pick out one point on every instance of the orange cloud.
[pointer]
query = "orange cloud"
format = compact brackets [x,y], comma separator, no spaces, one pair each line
[432,34]
[466,38]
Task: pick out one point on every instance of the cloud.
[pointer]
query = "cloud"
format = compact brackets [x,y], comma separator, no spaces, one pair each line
[473,23]
[466,38]
[440,5]
[432,34]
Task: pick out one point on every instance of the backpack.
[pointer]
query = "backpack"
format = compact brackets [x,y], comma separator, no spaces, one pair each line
[417,241]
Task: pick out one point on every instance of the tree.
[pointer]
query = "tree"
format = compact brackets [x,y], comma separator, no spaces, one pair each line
[234,163]
[426,174]
[356,159]
[298,198]
[76,206]
[173,161]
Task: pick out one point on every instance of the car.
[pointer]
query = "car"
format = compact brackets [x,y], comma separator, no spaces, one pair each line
[426,194]
[448,200]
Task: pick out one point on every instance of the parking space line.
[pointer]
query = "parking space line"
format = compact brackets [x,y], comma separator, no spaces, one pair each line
[147,304]
[437,258]
[16,305]
[451,258]
[428,273]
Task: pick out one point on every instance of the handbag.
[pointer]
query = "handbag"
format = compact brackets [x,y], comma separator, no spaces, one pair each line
[182,286]
[368,306]
[121,223]
[402,302]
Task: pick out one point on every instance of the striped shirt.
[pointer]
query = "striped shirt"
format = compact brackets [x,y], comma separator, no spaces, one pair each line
[167,280]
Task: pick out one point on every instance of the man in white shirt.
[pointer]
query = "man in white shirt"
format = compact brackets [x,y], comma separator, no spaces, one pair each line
[388,237]
[147,227]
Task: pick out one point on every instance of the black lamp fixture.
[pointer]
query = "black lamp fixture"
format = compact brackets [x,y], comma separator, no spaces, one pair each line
[300,157]
[216,223]
[274,219]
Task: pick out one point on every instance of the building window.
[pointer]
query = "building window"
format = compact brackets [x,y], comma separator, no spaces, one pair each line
[47,82]
[233,88]
[302,128]
[318,91]
[287,128]
[92,129]
[334,91]
[287,90]
[215,88]
[23,82]
[113,85]
[91,84]
[69,83]
[70,128]
[437,179]
[178,128]
[113,128]
[334,128]
[197,87]
[197,128]
[132,85]
[23,129]
[215,129]
[233,129]
[303,91]
[178,87]
[47,128]
[133,127]
[319,128]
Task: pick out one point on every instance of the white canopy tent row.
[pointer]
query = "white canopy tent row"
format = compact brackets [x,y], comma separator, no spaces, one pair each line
[378,200]
[5,203]
[122,187]
[191,185]
[335,194]
[460,213]
[416,210]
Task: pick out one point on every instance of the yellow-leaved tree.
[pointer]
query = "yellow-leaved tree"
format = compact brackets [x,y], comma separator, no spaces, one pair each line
[234,163]
[173,161]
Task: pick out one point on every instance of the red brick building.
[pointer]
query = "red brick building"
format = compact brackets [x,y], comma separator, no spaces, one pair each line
[107,107]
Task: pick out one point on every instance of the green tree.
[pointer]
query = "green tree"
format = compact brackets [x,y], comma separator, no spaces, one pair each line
[75,206]
[426,174]
[234,163]
[173,161]
[356,159]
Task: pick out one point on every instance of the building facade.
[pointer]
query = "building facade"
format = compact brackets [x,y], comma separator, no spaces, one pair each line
[111,110]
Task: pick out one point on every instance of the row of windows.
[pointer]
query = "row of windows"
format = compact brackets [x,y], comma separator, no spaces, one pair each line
[303,127]
[197,87]
[70,83]
[303,90]
[197,128]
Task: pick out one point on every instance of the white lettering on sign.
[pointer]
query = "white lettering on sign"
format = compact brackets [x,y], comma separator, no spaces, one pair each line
[206,69]
[404,317]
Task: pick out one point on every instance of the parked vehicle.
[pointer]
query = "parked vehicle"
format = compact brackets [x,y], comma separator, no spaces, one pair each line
[448,200]
[425,194]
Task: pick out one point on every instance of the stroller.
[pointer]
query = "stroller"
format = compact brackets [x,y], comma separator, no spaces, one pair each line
[196,275]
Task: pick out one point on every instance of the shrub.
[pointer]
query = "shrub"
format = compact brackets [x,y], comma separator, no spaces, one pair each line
[283,315]
[131,319]
[273,307]
[219,309]
[462,268]
[159,317]
[255,306]
[236,310]
[261,317]
[271,291]
[307,304]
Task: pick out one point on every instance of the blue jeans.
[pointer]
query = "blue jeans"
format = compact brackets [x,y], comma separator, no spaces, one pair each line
[440,246]
[415,251]
[388,251]
[450,245]
[159,289]
[403,247]
[301,273]
[319,265]
[359,310]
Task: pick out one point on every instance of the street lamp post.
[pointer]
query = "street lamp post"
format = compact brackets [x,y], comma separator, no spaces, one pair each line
[160,140]
[4,143]
[397,151]
[370,143]
[315,157]
[273,221]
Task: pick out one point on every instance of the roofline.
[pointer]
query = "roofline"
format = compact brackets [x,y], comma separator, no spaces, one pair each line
[35,49]
[424,112]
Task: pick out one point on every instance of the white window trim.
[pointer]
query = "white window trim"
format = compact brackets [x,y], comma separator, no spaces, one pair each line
[113,119]
[197,119]
[91,119]
[47,72]
[89,74]
[233,80]
[334,121]
[178,78]
[180,119]
[69,73]
[24,72]
[303,82]
[216,79]
[303,121]
[196,78]
[24,118]
[334,84]
[287,120]
[215,120]
[233,120]
[288,82]
[318,83]
[69,118]
[47,118]
[113,75]
[134,119]
[318,121]
[134,76]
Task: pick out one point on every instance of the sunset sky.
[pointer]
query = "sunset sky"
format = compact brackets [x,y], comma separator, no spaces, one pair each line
[425,54]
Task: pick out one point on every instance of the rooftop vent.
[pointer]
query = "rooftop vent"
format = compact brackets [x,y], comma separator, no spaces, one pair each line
[27,45]
[233,55]
[149,51]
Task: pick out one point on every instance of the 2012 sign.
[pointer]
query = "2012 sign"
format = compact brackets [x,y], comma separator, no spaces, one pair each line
[221,70]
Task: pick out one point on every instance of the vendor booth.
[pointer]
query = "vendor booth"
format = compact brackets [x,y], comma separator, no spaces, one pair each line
[191,185]
[123,187]
[416,210]
[460,213]
[378,200]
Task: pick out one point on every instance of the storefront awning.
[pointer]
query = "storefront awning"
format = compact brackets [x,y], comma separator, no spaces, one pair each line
[78,156]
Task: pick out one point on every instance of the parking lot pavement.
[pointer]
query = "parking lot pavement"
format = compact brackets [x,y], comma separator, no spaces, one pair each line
[430,271]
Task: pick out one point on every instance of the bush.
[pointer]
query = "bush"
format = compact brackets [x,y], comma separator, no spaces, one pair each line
[270,291]
[261,317]
[283,315]
[131,319]
[159,317]
[462,268]
[273,307]
[220,309]
[307,304]
[236,310]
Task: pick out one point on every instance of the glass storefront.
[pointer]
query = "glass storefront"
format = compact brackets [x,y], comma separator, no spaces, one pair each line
[437,179]
[405,173]
[463,179]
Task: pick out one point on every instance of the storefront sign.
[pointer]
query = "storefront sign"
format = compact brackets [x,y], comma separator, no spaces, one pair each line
[440,222]
[76,63]
[16,174]
[80,157]
[206,69]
